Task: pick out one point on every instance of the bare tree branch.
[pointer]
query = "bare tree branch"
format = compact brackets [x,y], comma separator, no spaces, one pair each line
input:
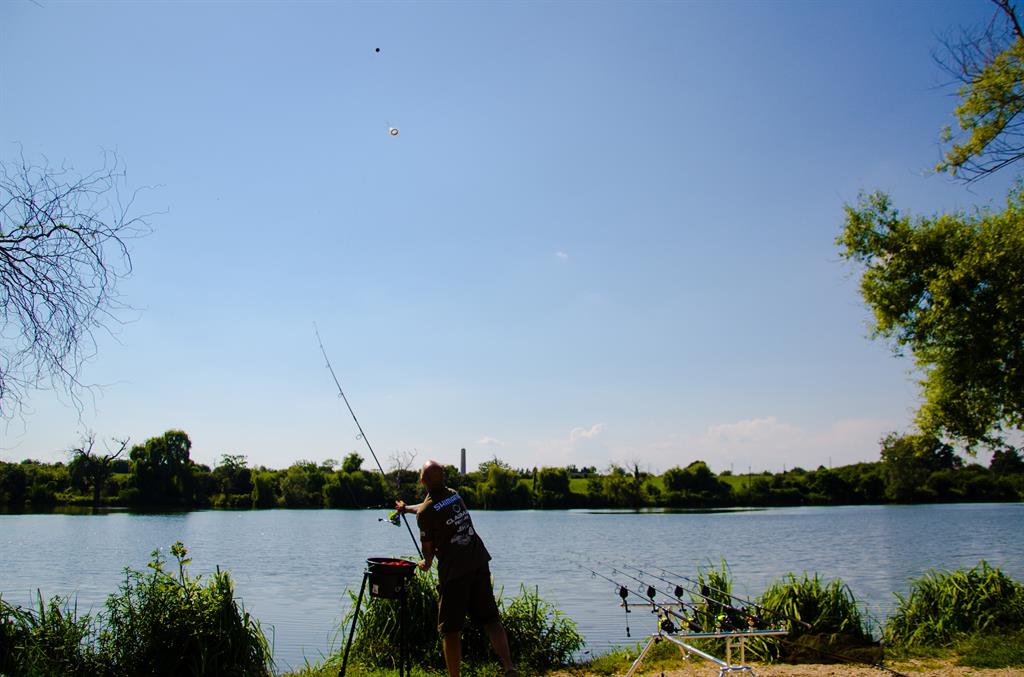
[63,249]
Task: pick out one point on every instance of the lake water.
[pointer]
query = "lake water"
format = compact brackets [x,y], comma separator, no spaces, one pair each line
[291,568]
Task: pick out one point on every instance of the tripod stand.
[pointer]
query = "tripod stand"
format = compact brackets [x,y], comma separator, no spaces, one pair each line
[389,579]
[724,666]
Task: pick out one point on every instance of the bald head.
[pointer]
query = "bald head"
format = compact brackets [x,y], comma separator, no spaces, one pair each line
[432,475]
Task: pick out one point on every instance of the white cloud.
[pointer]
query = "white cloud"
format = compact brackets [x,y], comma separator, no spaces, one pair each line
[562,255]
[490,442]
[582,446]
[766,443]
[582,434]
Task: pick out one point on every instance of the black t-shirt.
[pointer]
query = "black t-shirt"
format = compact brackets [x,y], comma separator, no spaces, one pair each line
[444,521]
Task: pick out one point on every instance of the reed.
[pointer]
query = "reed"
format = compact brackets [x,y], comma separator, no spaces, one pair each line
[945,607]
[838,630]
[540,636]
[170,623]
[50,640]
[159,623]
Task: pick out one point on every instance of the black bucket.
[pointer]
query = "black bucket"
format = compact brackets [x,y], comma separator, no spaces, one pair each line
[389,577]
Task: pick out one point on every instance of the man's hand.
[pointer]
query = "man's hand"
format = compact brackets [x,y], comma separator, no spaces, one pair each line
[400,506]
[423,565]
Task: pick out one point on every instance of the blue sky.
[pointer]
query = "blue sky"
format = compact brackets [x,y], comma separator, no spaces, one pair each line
[604,234]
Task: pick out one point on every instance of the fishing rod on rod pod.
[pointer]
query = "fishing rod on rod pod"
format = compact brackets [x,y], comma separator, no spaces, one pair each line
[774,612]
[663,610]
[807,626]
[750,620]
[362,435]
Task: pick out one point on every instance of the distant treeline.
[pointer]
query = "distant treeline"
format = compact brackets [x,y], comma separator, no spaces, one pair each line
[160,474]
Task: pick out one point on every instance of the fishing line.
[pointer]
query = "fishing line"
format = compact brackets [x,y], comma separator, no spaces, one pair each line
[805,624]
[679,589]
[362,435]
[777,614]
[624,591]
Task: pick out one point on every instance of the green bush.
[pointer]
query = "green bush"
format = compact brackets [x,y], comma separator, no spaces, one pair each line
[945,607]
[157,624]
[160,623]
[836,630]
[50,641]
[540,637]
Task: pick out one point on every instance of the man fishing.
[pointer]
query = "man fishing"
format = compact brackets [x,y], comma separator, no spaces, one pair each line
[463,573]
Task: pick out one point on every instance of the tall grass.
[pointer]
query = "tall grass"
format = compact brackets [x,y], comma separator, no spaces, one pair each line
[943,608]
[158,624]
[170,623]
[540,636]
[824,621]
[50,640]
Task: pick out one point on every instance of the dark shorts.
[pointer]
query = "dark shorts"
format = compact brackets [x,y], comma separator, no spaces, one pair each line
[470,594]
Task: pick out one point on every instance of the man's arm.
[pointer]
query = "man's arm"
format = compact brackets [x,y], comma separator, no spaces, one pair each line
[401,507]
[428,555]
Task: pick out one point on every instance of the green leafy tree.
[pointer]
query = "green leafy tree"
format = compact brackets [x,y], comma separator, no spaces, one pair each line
[1006,462]
[352,463]
[233,475]
[161,470]
[909,460]
[989,65]
[948,289]
[302,485]
[553,488]
[264,488]
[13,485]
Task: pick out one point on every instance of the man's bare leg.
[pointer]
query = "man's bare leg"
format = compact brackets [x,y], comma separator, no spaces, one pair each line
[453,652]
[499,640]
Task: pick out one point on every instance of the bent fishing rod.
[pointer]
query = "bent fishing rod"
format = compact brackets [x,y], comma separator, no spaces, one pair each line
[362,435]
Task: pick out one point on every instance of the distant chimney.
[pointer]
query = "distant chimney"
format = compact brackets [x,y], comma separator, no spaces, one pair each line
[462,463]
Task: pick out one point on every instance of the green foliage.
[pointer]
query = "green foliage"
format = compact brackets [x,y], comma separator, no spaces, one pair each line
[695,486]
[161,471]
[164,623]
[945,607]
[169,623]
[540,637]
[993,651]
[991,101]
[302,486]
[838,630]
[159,623]
[947,289]
[553,488]
[52,640]
[352,463]
[502,490]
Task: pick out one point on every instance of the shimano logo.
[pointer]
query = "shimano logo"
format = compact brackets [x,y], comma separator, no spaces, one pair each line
[446,502]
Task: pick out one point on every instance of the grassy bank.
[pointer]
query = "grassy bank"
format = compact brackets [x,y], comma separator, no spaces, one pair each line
[164,621]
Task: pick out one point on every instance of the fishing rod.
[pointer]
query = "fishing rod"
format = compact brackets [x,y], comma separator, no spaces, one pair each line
[624,591]
[362,435]
[679,590]
[786,617]
[747,602]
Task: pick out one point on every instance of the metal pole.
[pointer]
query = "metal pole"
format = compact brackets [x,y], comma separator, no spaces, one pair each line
[352,628]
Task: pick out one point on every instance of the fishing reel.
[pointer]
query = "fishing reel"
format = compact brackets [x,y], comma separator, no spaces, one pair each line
[395,518]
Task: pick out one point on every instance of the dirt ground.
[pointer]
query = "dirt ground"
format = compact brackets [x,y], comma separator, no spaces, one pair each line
[922,668]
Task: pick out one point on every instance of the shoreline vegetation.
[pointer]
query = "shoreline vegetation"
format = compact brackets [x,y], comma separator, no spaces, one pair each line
[165,621]
[160,475]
